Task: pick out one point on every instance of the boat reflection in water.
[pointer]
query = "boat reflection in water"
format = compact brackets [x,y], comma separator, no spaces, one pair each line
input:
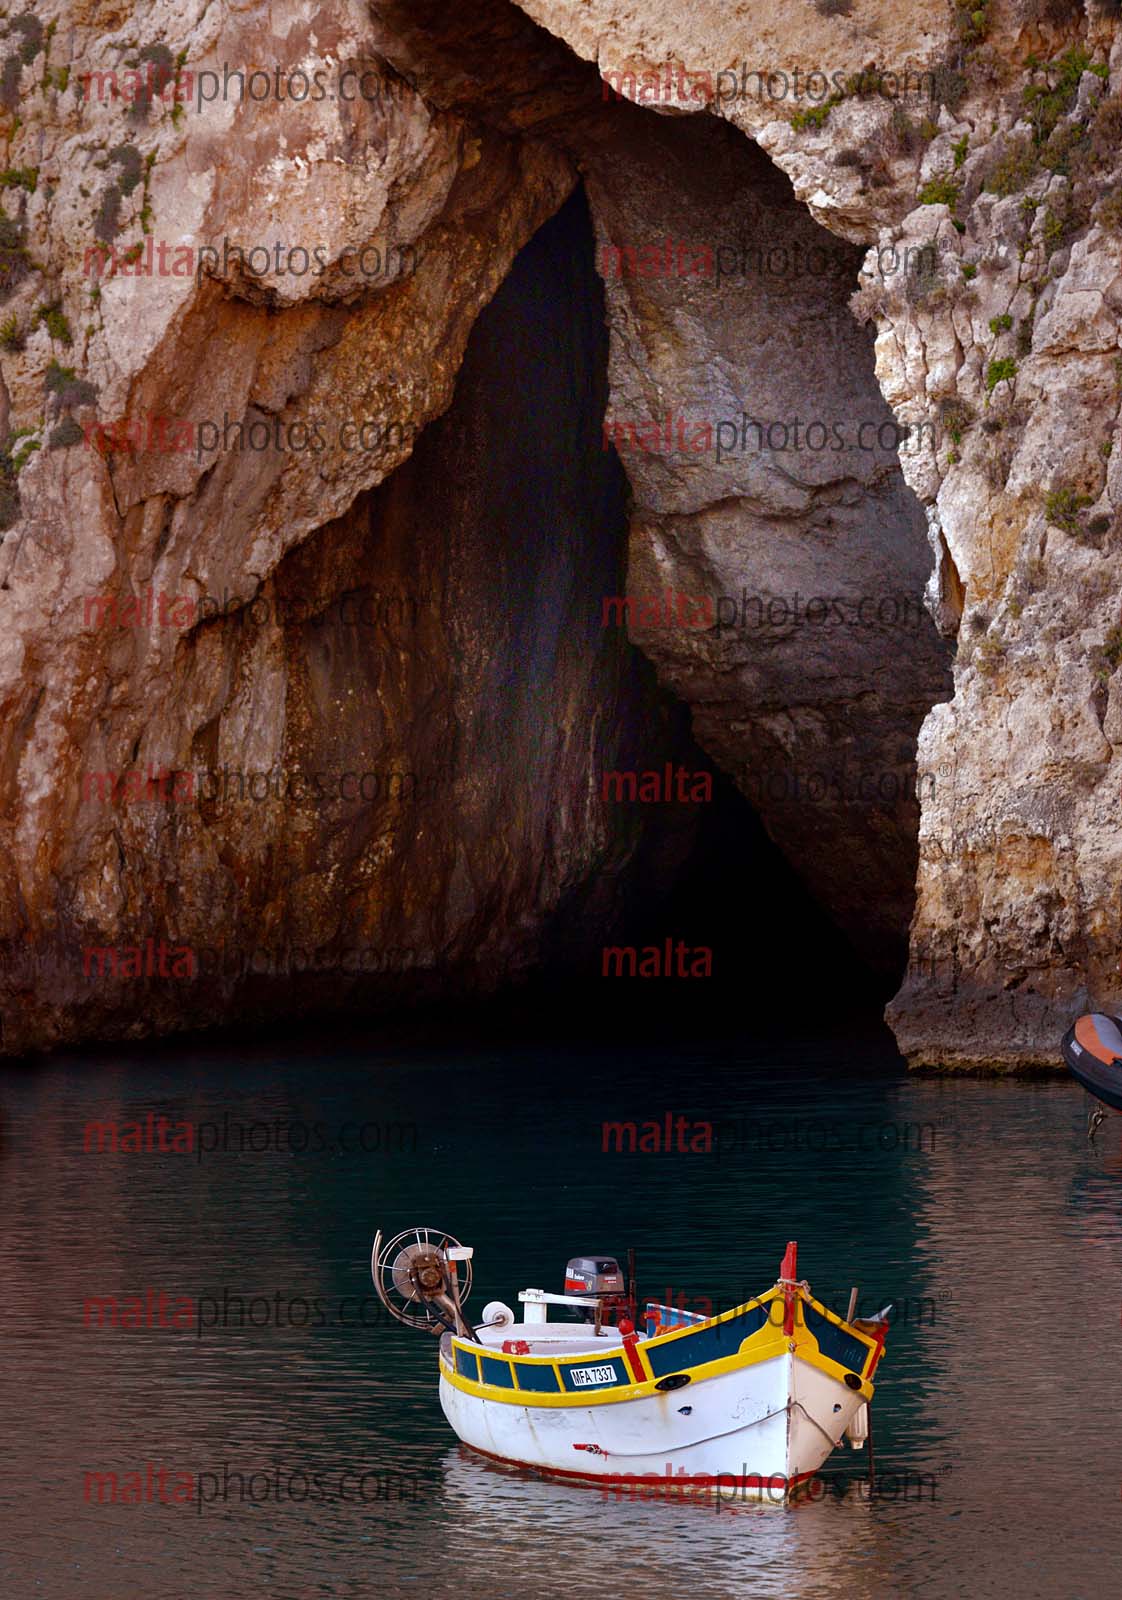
[728,1546]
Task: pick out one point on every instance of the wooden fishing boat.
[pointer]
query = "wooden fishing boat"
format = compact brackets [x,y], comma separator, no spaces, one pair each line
[748,1403]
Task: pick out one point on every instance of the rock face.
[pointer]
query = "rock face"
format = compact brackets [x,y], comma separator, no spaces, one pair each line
[998,346]
[257,420]
[375,775]
[769,503]
[1020,881]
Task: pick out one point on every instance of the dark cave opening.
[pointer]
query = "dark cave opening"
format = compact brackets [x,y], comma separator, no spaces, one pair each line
[841,715]
[523,889]
[527,893]
[520,467]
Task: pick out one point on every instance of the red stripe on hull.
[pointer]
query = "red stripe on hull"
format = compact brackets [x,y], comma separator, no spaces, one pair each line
[619,1482]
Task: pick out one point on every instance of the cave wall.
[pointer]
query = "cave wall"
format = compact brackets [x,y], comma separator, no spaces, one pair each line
[794,522]
[991,162]
[481,129]
[381,776]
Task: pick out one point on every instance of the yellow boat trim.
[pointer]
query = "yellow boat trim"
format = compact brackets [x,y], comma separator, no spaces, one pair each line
[764,1344]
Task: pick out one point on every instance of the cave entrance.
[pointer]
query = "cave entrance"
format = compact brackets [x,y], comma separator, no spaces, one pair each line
[514,509]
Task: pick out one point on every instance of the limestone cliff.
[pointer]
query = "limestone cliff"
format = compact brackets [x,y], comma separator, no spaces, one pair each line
[193,409]
[978,150]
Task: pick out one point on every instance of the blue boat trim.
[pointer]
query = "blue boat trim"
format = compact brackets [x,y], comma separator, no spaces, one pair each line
[671,1316]
[834,1342]
[467,1364]
[496,1371]
[708,1343]
[538,1379]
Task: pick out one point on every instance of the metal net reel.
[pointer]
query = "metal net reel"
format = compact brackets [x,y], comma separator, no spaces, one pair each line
[422,1277]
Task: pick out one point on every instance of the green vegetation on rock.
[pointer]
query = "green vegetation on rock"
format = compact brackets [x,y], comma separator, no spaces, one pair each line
[971,20]
[1045,103]
[67,432]
[1014,170]
[54,320]
[1062,508]
[1003,371]
[816,116]
[940,191]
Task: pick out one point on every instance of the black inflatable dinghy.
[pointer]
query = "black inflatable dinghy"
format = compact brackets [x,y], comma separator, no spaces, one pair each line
[1092,1048]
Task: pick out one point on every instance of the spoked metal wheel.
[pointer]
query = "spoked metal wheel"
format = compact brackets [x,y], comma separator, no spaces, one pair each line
[422,1277]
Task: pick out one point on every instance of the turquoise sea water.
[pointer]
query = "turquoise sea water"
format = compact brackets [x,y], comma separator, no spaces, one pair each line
[977,1206]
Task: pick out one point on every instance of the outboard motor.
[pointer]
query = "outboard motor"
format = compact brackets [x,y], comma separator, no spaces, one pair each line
[598,1276]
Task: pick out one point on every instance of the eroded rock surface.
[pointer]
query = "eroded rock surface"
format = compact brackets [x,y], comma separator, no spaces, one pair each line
[190,433]
[1020,882]
[383,762]
[768,498]
[1000,349]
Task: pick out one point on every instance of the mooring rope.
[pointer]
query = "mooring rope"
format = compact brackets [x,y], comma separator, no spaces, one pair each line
[743,1428]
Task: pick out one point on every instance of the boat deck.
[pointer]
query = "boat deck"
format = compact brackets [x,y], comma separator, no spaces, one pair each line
[543,1338]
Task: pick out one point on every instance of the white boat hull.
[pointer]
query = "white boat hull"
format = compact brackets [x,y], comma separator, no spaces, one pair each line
[756,1432]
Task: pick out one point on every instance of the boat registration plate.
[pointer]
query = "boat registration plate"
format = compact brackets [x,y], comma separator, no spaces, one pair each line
[588,1377]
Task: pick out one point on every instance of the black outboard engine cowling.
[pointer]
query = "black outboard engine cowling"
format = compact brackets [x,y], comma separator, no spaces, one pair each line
[600,1276]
